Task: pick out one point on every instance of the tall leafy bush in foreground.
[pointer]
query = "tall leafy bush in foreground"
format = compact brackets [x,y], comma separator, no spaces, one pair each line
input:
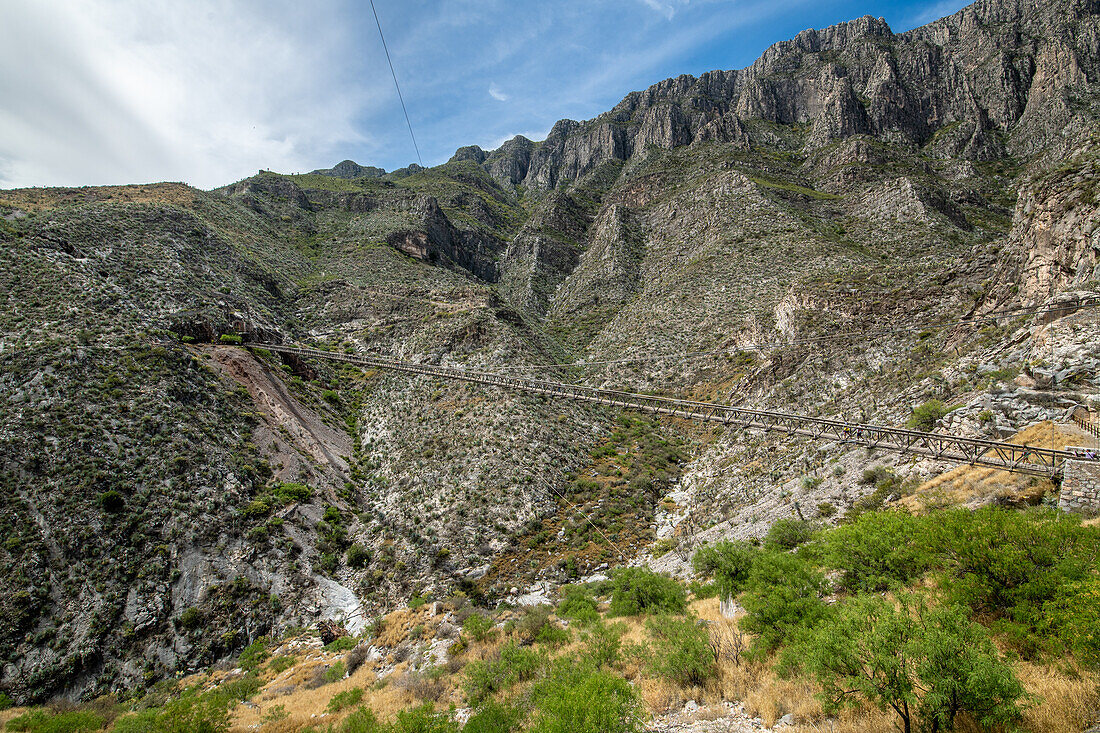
[637,590]
[575,698]
[728,563]
[783,597]
[681,650]
[877,551]
[927,664]
[1012,564]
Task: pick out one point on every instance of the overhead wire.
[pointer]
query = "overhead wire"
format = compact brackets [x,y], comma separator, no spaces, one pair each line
[400,97]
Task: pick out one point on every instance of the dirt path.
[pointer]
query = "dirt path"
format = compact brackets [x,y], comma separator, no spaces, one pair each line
[293,437]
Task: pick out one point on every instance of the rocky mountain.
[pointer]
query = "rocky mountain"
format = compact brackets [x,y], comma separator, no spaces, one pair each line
[818,224]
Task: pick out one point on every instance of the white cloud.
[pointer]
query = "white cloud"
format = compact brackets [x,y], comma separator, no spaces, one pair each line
[932,12]
[205,92]
[666,8]
[496,93]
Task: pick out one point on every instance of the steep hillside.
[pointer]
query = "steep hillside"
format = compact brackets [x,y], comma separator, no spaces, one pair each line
[847,227]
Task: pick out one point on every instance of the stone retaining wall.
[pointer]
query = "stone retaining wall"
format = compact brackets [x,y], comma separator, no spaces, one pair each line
[1080,486]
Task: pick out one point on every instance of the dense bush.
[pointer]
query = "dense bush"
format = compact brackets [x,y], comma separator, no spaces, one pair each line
[1011,564]
[478,626]
[787,534]
[1074,617]
[681,650]
[45,721]
[358,556]
[927,664]
[728,563]
[878,550]
[231,339]
[253,655]
[783,596]
[578,699]
[578,604]
[926,416]
[344,700]
[494,717]
[514,664]
[603,642]
[423,719]
[638,590]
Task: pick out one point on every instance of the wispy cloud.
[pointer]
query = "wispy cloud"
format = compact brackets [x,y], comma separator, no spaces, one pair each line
[497,94]
[931,12]
[667,8]
[205,92]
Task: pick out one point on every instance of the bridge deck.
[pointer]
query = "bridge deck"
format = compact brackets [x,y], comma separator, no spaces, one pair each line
[975,451]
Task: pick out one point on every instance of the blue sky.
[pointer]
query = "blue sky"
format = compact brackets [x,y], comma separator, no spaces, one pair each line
[209,91]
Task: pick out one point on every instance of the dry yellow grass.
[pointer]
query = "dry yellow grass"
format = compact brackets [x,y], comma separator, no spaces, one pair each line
[1066,698]
[976,484]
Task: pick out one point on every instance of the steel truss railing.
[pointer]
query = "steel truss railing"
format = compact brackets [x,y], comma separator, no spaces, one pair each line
[1024,459]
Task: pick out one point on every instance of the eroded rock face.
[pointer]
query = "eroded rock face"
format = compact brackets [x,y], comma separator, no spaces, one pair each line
[997,76]
[1056,228]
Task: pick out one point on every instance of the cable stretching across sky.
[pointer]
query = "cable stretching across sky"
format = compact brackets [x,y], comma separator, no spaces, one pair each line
[398,86]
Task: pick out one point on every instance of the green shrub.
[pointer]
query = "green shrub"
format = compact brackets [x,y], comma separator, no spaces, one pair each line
[361,721]
[782,596]
[681,650]
[926,416]
[358,556]
[336,672]
[577,699]
[231,339]
[344,700]
[603,643]
[577,603]
[143,721]
[289,492]
[1011,564]
[513,664]
[728,563]
[5,701]
[535,620]
[553,635]
[253,655]
[191,618]
[111,501]
[877,551]
[787,534]
[342,644]
[927,664]
[494,717]
[228,694]
[478,626]
[423,719]
[280,664]
[638,590]
[191,712]
[330,396]
[44,721]
[1074,617]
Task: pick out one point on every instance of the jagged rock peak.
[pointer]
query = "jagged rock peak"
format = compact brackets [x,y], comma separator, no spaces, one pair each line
[350,169]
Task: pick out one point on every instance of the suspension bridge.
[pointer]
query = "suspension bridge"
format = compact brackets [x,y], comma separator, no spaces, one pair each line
[1025,459]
